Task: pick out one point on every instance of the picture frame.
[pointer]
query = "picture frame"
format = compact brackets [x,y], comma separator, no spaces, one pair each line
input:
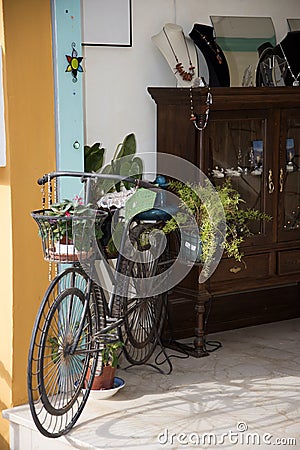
[107,23]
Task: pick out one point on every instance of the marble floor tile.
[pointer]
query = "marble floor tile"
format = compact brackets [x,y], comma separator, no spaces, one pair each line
[244,395]
[250,388]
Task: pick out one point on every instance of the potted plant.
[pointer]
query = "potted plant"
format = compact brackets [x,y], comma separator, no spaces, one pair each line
[105,375]
[124,163]
[196,201]
[67,227]
[61,224]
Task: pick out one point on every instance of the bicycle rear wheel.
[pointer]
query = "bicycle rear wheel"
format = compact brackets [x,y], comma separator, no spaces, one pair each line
[144,315]
[56,376]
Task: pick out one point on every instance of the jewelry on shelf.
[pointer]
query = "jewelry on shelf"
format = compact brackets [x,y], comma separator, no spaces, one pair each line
[186,76]
[257,171]
[247,76]
[213,46]
[296,78]
[290,165]
[200,119]
[233,172]
[218,173]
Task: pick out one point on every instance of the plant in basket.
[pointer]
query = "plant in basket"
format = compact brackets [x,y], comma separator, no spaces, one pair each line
[67,228]
[61,224]
[72,223]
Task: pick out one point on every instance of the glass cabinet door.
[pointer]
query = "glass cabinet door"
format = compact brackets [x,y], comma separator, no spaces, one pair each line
[289,177]
[236,148]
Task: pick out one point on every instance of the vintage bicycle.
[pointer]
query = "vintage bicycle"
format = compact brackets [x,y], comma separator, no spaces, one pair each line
[79,315]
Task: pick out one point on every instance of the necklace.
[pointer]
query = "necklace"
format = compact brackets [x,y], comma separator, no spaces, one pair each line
[296,81]
[213,46]
[186,76]
[200,120]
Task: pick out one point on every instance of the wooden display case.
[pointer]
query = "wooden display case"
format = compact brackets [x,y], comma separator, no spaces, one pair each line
[255,131]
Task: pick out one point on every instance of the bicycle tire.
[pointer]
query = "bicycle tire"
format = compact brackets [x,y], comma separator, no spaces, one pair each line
[57,402]
[142,327]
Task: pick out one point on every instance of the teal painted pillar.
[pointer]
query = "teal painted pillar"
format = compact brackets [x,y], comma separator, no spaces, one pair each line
[68,73]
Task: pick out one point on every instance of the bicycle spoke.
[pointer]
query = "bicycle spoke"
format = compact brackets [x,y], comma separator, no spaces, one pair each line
[143,317]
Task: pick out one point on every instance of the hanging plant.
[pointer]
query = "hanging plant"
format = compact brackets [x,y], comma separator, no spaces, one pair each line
[197,201]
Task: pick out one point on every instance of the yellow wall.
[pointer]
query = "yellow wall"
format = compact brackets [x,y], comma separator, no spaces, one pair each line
[25,35]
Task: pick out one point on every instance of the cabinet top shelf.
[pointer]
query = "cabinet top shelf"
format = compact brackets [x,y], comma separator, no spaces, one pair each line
[243,97]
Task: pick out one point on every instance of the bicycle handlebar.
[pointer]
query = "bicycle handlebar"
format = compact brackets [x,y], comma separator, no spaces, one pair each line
[135,181]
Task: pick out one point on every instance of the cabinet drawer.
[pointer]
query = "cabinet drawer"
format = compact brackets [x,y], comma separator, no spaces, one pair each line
[257,266]
[288,262]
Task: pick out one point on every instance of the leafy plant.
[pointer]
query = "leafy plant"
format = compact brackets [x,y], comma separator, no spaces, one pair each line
[53,341]
[62,227]
[93,157]
[124,163]
[197,200]
[110,353]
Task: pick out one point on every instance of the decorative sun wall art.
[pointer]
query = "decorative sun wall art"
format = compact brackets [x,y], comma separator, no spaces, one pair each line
[74,61]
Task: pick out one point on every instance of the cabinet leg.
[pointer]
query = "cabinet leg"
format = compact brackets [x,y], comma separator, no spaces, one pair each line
[199,341]
[197,349]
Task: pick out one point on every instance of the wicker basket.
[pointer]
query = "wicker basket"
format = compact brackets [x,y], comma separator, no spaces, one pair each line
[67,239]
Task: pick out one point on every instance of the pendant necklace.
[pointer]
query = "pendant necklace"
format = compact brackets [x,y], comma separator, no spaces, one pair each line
[200,119]
[186,76]
[214,47]
[296,80]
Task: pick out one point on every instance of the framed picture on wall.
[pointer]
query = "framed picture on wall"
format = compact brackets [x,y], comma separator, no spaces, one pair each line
[107,23]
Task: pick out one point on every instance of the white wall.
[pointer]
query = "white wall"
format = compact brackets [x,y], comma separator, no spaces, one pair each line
[116,79]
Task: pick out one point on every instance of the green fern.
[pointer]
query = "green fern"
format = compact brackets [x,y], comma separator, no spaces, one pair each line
[199,201]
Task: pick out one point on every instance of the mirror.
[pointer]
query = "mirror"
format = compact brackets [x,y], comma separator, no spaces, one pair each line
[239,38]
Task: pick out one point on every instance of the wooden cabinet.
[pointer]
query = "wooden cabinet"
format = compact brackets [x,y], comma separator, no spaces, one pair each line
[256,133]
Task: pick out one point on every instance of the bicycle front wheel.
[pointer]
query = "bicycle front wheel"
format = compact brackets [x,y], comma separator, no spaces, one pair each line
[57,388]
[144,315]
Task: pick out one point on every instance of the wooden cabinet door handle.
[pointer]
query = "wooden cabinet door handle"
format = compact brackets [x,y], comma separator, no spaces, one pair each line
[270,182]
[235,269]
[281,180]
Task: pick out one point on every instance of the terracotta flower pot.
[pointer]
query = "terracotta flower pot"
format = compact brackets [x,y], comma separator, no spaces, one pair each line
[105,380]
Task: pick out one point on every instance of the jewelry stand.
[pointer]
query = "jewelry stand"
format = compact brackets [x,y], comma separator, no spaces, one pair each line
[288,49]
[178,50]
[203,37]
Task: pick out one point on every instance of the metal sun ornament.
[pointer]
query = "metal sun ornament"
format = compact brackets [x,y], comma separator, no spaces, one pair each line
[74,61]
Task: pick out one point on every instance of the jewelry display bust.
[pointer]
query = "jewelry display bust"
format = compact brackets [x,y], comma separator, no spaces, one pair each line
[288,49]
[203,37]
[179,52]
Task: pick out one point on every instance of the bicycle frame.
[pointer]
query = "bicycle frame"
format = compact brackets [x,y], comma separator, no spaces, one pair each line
[103,334]
[75,319]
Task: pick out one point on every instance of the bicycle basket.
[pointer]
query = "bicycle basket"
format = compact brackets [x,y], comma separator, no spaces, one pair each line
[68,238]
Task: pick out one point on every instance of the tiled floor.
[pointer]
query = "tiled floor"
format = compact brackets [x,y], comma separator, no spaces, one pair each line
[244,395]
